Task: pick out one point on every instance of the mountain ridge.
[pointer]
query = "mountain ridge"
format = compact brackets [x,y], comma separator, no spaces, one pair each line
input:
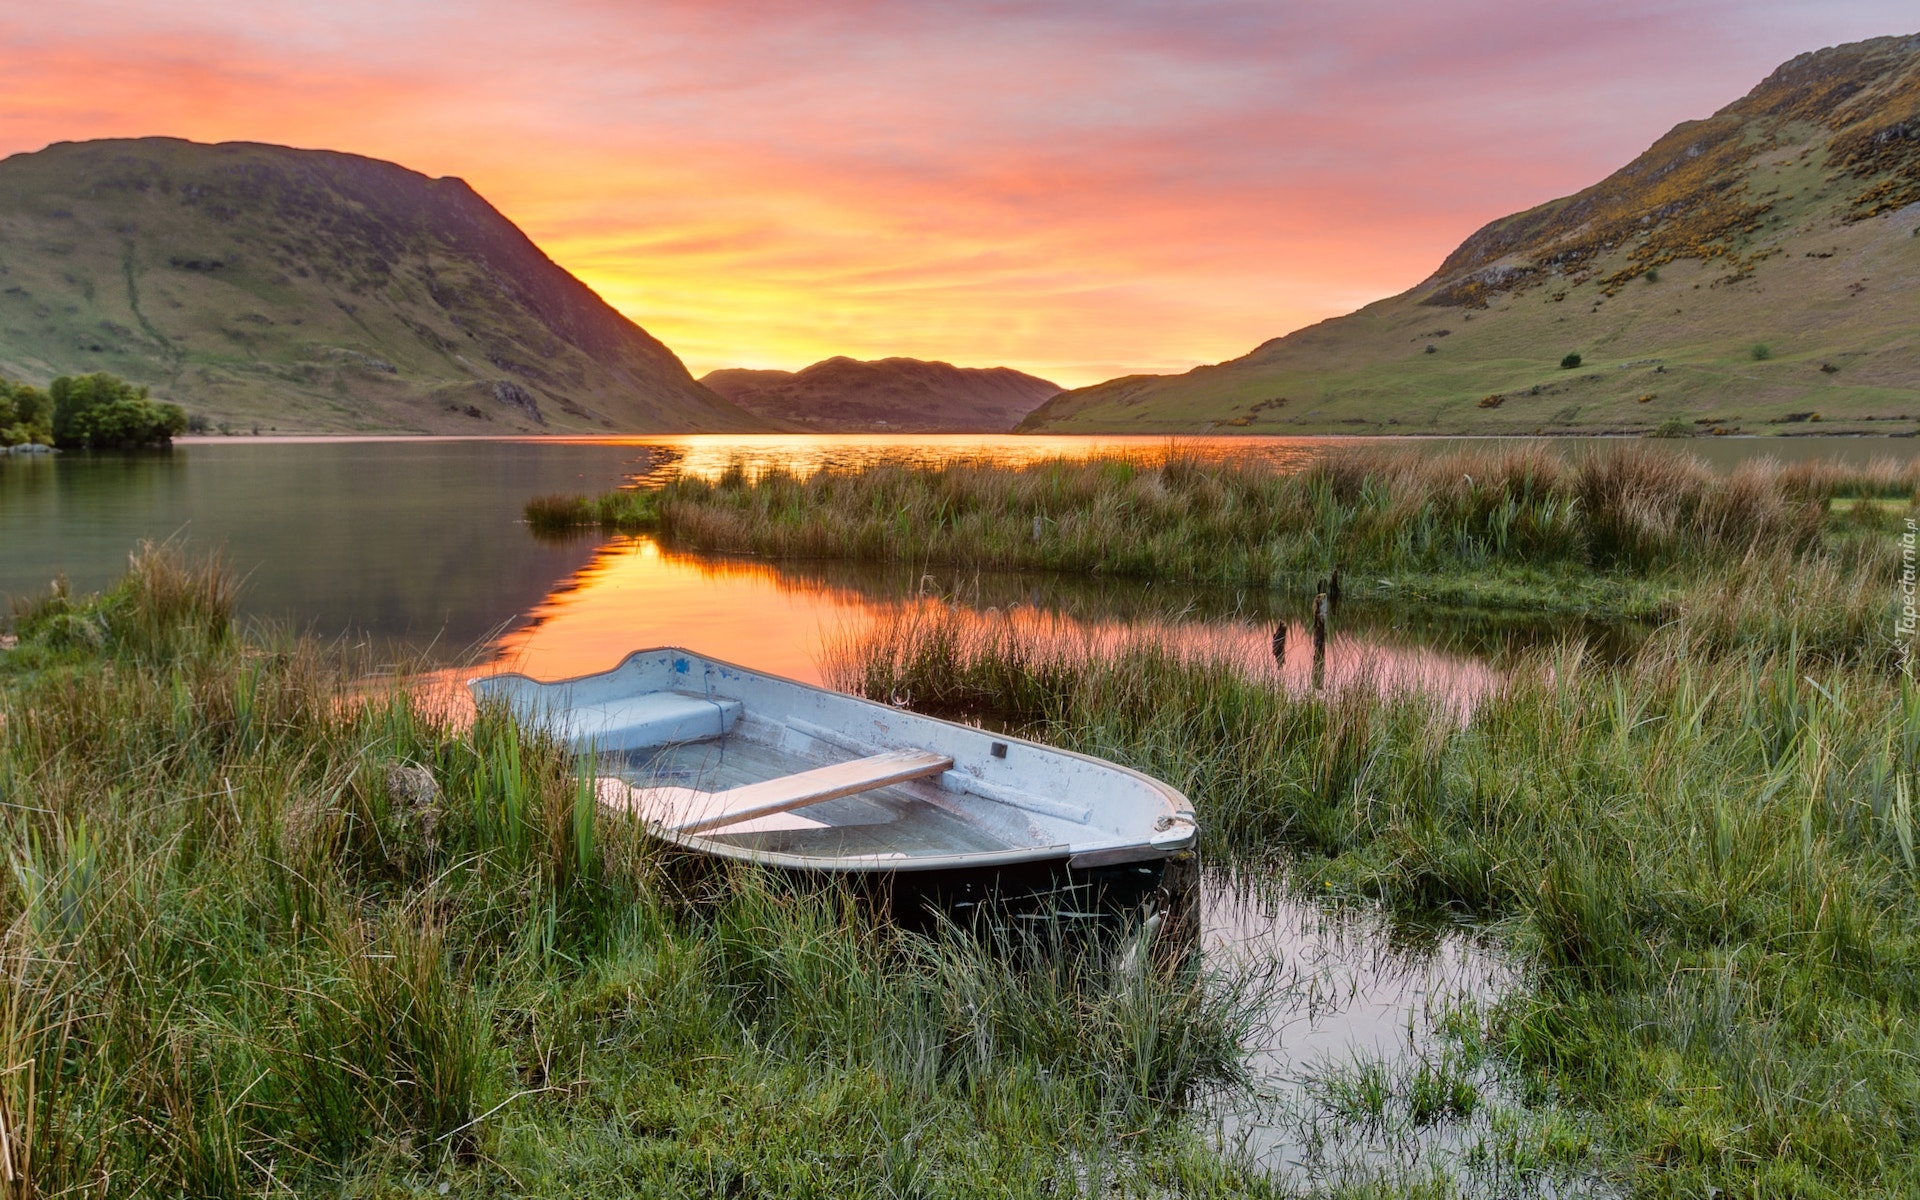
[1753,271]
[908,395]
[317,291]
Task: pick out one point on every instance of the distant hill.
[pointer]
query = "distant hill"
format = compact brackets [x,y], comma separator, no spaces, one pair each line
[315,291]
[904,394]
[1749,272]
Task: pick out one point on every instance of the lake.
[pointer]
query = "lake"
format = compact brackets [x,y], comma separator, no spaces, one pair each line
[417,545]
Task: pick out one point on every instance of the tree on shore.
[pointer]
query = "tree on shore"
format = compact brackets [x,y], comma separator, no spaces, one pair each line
[26,414]
[104,412]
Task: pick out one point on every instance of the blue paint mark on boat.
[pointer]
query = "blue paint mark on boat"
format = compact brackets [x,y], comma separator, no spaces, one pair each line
[681,666]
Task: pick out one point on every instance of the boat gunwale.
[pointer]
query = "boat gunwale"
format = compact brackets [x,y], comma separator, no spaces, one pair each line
[1177,805]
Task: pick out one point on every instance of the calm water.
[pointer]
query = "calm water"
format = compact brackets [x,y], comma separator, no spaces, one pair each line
[418,542]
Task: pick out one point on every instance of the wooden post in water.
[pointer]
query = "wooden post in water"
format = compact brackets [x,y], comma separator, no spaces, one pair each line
[1319,639]
[1280,643]
[1036,529]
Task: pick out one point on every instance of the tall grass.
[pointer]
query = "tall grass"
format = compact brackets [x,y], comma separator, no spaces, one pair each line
[561,514]
[1526,508]
[265,932]
[163,608]
[1807,554]
[1709,859]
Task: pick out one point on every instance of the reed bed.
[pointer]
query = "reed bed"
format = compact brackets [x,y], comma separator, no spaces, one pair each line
[1709,862]
[1525,514]
[265,932]
[561,514]
[1807,556]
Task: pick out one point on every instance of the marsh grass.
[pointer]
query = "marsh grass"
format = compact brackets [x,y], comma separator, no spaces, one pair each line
[1522,519]
[163,608]
[626,511]
[267,931]
[1434,1123]
[1708,858]
[1804,556]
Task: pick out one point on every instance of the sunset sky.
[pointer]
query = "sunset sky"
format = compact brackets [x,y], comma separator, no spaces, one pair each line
[1081,188]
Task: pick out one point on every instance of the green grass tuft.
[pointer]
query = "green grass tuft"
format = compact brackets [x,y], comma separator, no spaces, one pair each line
[627,511]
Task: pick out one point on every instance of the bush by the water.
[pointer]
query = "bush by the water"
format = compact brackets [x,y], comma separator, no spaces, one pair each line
[104,412]
[26,414]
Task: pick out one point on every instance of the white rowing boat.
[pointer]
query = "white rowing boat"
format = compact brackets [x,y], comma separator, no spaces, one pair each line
[743,765]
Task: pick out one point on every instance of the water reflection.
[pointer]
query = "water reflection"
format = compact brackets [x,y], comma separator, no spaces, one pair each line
[1355,1080]
[1361,978]
[1478,632]
[413,545]
[785,618]
[1370,660]
[635,594]
[708,455]
[417,542]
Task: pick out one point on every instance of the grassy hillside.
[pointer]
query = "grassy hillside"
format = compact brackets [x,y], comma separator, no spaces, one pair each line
[1755,272]
[898,394]
[309,290]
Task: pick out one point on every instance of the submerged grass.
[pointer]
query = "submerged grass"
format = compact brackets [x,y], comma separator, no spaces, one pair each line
[263,932]
[1706,852]
[1613,531]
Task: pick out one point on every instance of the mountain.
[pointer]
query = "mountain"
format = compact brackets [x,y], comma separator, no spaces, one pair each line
[903,394]
[315,291]
[1756,271]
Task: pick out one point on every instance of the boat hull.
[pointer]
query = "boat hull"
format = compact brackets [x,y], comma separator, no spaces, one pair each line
[1049,888]
[1037,890]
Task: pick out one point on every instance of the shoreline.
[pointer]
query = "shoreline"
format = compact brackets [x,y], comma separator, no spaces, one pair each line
[615,439]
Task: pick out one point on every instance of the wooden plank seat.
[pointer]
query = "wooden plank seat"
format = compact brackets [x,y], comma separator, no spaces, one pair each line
[689,810]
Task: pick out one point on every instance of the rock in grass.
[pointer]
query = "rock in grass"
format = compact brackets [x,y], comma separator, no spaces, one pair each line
[415,795]
[413,787]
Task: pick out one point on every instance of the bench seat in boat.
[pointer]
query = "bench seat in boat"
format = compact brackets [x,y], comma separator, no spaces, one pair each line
[646,721]
[688,810]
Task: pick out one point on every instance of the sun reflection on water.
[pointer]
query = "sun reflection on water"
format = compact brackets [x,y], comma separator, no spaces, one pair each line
[636,593]
[706,456]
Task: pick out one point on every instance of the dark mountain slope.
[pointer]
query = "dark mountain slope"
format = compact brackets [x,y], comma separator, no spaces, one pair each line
[312,290]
